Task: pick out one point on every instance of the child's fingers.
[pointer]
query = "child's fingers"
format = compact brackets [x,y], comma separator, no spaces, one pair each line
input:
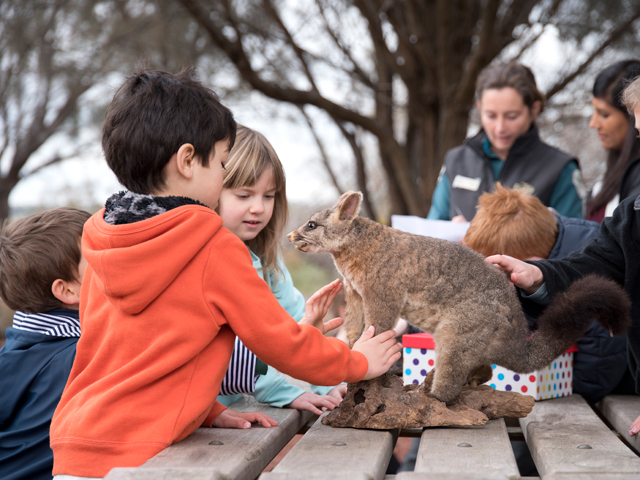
[635,427]
[366,335]
[387,336]
[333,324]
[231,419]
[326,289]
[326,401]
[311,407]
[259,417]
[339,392]
[331,295]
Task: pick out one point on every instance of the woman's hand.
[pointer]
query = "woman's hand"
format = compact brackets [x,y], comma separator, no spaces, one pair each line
[318,306]
[233,419]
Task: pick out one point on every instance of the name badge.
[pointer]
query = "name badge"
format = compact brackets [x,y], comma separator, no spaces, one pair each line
[466,183]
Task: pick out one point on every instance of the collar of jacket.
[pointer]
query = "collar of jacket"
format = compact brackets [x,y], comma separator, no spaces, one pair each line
[522,144]
[130,207]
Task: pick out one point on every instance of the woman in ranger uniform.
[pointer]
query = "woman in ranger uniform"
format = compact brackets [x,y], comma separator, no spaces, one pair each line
[507,149]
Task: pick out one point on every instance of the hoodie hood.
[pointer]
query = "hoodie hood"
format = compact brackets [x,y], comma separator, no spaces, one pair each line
[132,263]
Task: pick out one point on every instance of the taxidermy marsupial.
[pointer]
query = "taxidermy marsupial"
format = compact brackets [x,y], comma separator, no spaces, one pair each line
[449,290]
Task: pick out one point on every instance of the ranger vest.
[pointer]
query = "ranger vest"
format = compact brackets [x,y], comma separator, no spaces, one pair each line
[530,164]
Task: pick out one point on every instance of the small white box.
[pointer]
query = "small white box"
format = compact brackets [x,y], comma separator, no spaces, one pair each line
[555,380]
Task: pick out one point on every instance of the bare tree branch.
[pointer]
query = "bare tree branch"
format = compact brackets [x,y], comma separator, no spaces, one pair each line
[480,55]
[323,154]
[357,70]
[615,35]
[361,175]
[238,57]
[290,41]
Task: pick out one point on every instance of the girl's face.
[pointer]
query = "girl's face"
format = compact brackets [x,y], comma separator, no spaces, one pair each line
[505,117]
[610,123]
[245,211]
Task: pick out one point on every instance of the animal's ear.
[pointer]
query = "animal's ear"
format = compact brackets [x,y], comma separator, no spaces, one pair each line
[348,206]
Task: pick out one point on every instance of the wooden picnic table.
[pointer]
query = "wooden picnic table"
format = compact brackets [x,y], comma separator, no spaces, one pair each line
[568,440]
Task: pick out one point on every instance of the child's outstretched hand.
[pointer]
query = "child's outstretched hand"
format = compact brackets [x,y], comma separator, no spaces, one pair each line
[524,275]
[635,427]
[381,351]
[318,305]
[314,402]
[338,392]
[233,419]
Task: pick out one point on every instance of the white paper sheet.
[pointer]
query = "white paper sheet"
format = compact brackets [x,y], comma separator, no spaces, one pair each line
[444,229]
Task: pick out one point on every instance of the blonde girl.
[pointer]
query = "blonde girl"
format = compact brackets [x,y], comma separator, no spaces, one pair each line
[253,206]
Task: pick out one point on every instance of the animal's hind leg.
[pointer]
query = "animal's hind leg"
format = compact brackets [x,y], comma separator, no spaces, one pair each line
[450,376]
[455,360]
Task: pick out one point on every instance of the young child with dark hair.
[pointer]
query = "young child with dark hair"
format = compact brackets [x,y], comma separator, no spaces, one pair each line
[515,223]
[167,289]
[41,270]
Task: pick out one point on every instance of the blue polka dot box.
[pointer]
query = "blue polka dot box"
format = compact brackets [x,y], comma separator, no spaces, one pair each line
[556,380]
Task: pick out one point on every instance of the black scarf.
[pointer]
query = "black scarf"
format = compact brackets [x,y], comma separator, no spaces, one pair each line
[129,207]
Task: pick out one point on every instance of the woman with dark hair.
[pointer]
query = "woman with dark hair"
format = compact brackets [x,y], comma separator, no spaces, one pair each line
[507,149]
[615,127]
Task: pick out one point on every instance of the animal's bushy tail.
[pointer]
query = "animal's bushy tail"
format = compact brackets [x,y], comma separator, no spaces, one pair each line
[568,317]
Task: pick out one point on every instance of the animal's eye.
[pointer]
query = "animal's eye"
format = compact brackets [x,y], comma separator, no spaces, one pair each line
[311,225]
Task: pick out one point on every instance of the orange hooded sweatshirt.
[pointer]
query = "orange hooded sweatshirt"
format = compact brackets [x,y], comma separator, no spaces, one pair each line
[162,300]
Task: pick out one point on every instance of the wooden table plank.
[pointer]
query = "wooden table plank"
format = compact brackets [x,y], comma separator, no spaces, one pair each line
[216,453]
[621,411]
[442,453]
[479,475]
[556,428]
[337,453]
[593,476]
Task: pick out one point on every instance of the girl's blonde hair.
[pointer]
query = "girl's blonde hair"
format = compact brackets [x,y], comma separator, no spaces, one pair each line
[512,222]
[250,157]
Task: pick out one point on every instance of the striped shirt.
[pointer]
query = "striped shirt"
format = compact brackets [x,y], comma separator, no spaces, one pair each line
[240,376]
[57,323]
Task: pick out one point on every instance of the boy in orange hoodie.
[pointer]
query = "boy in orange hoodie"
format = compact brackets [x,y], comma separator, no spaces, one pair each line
[167,289]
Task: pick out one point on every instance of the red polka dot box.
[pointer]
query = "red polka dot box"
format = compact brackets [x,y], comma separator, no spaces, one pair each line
[556,380]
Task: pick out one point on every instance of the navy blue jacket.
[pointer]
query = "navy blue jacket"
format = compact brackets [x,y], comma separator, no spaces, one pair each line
[34,369]
[601,360]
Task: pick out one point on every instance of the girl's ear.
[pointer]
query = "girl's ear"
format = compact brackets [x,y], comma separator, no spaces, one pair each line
[185,160]
[67,292]
[348,205]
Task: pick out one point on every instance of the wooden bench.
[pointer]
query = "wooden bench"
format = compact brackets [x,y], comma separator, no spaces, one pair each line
[568,440]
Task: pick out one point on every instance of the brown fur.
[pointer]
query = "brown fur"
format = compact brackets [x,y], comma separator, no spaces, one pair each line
[449,290]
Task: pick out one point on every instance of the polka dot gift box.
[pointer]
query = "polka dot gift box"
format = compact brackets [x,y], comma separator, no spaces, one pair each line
[555,380]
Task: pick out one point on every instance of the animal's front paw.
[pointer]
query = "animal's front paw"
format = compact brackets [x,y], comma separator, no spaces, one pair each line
[445,393]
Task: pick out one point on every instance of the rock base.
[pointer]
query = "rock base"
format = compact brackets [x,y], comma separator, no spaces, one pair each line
[385,403]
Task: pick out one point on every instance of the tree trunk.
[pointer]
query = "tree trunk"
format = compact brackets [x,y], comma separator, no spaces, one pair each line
[6,186]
